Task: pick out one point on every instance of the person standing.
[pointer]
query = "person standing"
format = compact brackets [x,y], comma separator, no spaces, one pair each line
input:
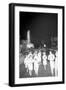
[26,60]
[44,57]
[36,65]
[56,63]
[30,63]
[51,58]
[39,57]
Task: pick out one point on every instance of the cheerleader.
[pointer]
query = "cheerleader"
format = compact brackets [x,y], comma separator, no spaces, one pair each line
[30,63]
[51,58]
[56,63]
[39,57]
[44,57]
[36,65]
[26,62]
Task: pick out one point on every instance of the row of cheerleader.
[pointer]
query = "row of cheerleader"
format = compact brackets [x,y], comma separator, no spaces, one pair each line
[32,61]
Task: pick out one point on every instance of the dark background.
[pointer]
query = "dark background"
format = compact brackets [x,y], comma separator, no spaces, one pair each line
[42,26]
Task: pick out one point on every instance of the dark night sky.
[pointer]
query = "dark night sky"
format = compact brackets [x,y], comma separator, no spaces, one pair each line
[41,25]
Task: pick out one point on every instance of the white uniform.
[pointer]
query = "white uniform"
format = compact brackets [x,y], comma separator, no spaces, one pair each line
[39,57]
[56,64]
[36,65]
[51,58]
[26,62]
[30,65]
[44,57]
